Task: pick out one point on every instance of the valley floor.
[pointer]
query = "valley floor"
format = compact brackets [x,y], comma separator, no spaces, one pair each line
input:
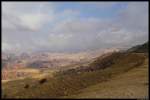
[132,84]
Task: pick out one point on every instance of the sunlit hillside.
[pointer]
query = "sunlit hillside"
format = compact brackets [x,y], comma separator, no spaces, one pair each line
[128,70]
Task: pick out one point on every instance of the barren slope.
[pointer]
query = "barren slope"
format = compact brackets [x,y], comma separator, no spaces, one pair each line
[132,84]
[117,79]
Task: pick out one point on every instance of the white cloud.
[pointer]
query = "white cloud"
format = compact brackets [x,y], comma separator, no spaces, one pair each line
[27,15]
[35,21]
[135,16]
[5,46]
[59,40]
[99,4]
[80,26]
[39,25]
[119,36]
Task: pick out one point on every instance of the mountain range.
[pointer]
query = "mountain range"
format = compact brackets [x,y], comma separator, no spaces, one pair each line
[112,74]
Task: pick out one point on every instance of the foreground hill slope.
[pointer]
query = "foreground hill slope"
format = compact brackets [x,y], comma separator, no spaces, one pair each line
[132,84]
[115,75]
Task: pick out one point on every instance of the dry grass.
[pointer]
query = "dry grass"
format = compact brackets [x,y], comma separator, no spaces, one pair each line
[71,84]
[132,84]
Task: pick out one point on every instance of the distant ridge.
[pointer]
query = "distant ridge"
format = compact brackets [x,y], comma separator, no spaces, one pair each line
[139,48]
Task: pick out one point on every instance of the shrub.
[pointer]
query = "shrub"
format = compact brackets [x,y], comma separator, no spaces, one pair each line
[42,80]
[26,86]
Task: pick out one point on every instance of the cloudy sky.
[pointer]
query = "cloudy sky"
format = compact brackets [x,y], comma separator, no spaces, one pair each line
[72,26]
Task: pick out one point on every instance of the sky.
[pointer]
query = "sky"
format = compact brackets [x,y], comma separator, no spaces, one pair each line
[72,26]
